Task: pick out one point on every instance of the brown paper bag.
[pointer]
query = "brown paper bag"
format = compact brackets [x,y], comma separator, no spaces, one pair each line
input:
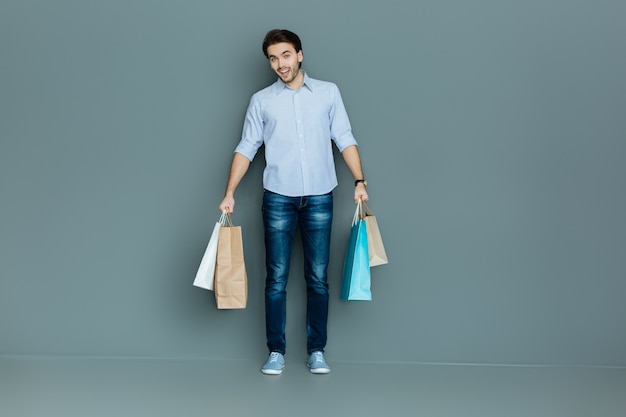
[231,280]
[377,253]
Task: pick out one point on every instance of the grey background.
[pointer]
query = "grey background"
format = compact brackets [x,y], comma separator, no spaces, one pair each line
[492,135]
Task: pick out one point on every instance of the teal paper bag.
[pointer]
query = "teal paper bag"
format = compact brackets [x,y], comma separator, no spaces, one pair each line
[356,280]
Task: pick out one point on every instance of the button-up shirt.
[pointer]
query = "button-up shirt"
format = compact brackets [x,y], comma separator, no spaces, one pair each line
[297,127]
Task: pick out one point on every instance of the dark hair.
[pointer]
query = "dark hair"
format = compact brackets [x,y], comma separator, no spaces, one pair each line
[275,36]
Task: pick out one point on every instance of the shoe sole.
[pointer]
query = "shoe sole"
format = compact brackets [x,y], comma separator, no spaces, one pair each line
[319,370]
[272,371]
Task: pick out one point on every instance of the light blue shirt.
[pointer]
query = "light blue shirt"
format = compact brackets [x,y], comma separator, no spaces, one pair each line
[297,128]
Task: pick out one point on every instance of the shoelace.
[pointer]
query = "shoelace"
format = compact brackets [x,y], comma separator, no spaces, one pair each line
[318,357]
[274,357]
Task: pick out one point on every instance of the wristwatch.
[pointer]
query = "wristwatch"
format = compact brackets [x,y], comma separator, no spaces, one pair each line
[358,181]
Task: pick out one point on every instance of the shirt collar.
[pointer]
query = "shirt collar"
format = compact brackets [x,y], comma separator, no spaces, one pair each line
[280,86]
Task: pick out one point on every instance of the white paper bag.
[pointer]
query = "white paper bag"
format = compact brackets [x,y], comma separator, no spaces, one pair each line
[206,271]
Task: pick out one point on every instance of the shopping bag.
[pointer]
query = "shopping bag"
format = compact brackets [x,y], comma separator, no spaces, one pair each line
[375,246]
[206,271]
[356,281]
[231,279]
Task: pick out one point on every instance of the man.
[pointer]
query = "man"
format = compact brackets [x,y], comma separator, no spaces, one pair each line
[296,118]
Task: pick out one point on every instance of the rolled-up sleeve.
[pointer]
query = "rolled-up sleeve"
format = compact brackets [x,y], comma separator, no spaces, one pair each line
[340,128]
[252,135]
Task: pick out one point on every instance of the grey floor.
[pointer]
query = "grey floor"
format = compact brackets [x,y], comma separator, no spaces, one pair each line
[151,387]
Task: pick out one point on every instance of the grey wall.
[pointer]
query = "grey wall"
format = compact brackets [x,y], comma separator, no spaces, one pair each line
[492,134]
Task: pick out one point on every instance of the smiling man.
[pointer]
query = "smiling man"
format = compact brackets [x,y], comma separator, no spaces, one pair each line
[297,119]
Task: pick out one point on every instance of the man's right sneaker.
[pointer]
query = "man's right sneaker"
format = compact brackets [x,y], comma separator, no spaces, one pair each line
[274,365]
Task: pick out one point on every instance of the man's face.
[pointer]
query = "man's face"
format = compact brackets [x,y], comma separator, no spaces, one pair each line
[285,61]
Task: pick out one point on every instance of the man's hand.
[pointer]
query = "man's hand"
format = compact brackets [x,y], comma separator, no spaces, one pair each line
[360,193]
[227,205]
[237,170]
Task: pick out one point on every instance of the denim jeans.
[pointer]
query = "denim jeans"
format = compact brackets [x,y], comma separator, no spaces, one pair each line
[281,216]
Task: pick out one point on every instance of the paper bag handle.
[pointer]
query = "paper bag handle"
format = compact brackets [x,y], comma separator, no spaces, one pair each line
[366,210]
[225,220]
[359,213]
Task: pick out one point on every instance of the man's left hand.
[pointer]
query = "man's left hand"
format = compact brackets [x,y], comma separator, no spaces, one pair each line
[360,193]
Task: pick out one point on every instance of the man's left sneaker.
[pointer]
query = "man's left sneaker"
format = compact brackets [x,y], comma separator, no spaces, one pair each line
[317,364]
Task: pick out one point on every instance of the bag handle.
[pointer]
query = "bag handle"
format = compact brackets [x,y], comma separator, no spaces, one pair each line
[359,213]
[366,210]
[225,220]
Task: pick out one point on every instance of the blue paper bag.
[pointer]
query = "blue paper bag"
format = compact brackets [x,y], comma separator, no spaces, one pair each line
[356,280]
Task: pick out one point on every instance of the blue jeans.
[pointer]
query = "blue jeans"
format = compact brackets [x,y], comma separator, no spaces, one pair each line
[281,216]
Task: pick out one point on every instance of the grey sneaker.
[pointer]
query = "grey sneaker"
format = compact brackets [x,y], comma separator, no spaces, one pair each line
[317,364]
[274,365]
